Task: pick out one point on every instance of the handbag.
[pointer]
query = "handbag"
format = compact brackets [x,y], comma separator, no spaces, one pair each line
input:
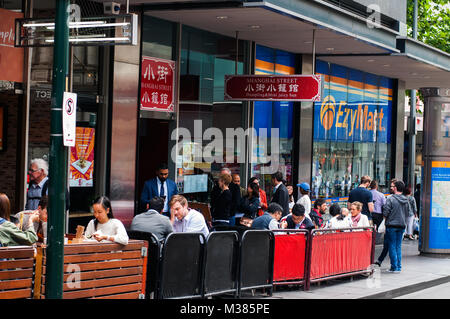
[382,228]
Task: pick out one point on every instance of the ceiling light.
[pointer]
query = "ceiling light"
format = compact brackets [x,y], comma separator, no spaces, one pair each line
[386,65]
[254,26]
[330,49]
[371,60]
[221,17]
[307,42]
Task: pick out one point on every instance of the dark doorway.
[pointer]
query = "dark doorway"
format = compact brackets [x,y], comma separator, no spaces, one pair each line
[153,149]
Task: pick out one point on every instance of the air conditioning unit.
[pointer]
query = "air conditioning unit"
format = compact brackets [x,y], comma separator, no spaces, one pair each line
[111,8]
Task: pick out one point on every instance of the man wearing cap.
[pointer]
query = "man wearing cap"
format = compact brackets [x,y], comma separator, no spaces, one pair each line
[304,197]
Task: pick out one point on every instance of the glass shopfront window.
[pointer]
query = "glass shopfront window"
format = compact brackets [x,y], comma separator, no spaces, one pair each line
[352,131]
[210,120]
[270,117]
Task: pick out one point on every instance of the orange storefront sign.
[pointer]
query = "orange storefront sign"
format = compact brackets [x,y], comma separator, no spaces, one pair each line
[11,58]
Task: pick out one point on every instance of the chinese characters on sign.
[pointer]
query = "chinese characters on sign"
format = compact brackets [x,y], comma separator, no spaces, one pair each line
[273,87]
[157,84]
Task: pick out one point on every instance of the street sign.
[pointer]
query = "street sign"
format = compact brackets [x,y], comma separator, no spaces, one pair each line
[273,87]
[157,85]
[69,118]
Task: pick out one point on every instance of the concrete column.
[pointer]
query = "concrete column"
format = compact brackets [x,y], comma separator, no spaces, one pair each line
[435,192]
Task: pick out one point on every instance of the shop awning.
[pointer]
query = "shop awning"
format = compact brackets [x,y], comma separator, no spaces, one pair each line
[341,38]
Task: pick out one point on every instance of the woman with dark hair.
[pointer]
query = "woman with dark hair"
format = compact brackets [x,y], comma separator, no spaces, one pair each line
[104,226]
[339,220]
[10,234]
[251,202]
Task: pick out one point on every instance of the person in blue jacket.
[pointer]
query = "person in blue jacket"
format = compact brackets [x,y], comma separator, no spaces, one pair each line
[159,186]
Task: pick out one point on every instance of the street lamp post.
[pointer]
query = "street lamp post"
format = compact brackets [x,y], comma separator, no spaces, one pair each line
[58,156]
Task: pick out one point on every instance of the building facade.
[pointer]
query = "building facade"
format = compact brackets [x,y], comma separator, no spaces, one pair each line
[365,60]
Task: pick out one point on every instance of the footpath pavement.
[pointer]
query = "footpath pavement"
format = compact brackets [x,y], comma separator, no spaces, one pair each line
[418,273]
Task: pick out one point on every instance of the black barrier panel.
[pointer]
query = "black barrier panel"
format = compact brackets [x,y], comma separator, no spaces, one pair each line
[256,260]
[181,266]
[153,260]
[221,263]
[240,229]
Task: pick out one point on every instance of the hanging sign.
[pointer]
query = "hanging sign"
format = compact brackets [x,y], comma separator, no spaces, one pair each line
[69,118]
[157,85]
[273,87]
[11,58]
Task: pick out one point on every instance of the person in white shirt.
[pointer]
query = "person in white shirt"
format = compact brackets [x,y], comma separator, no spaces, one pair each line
[104,226]
[358,219]
[184,219]
[304,198]
[340,217]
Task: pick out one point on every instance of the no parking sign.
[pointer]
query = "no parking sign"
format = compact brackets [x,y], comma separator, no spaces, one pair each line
[69,118]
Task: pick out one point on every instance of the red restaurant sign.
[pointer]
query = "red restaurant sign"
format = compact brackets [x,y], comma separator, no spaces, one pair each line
[273,87]
[11,58]
[157,85]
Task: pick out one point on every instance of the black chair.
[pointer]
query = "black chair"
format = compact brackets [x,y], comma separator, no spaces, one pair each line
[221,264]
[181,269]
[153,260]
[256,260]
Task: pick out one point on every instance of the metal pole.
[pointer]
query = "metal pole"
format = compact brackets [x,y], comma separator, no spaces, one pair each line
[237,54]
[412,117]
[58,160]
[314,52]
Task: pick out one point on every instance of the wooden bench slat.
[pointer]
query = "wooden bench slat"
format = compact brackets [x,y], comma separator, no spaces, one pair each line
[96,283]
[16,294]
[99,274]
[83,258]
[16,253]
[14,284]
[16,274]
[128,295]
[102,247]
[21,263]
[101,265]
[94,292]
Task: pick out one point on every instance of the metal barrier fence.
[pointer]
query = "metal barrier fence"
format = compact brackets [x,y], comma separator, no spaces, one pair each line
[290,266]
[256,260]
[221,264]
[336,253]
[181,266]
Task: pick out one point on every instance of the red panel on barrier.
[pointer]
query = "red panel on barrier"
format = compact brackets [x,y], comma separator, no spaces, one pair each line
[289,259]
[339,253]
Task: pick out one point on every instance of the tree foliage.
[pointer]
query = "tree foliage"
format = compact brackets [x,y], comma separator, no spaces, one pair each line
[433,22]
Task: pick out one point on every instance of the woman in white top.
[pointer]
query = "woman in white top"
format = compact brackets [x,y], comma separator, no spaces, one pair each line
[340,219]
[358,219]
[105,226]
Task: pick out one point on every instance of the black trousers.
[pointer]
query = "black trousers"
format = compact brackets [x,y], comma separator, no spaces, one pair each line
[377,219]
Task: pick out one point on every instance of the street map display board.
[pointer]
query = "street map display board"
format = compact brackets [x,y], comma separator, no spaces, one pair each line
[440,206]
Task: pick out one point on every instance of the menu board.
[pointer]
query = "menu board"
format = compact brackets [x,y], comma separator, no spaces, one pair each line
[82,158]
[195,183]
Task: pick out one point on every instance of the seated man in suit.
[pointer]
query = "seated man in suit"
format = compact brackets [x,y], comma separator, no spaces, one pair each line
[159,186]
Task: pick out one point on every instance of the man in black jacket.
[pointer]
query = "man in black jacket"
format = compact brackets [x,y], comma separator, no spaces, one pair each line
[280,192]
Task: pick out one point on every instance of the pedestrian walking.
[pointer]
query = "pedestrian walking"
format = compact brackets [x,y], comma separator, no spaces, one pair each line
[409,233]
[396,211]
[378,202]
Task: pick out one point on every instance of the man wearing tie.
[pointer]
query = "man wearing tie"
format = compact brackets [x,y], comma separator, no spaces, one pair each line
[160,186]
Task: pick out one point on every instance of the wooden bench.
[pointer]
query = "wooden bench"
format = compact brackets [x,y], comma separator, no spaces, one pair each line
[99,270]
[16,272]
